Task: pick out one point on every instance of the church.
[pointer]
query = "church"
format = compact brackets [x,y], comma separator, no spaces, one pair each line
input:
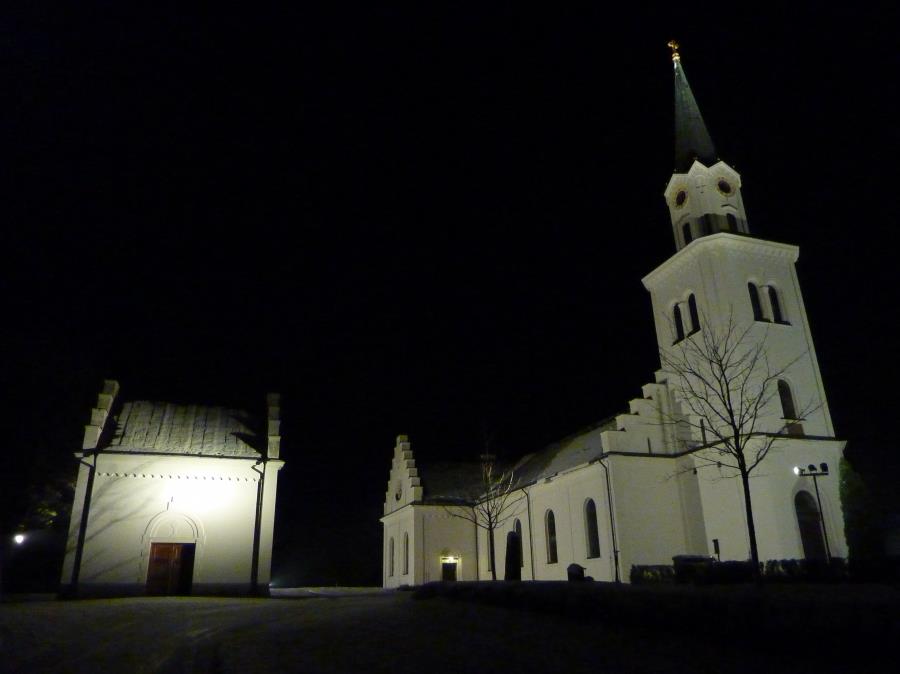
[173,499]
[736,415]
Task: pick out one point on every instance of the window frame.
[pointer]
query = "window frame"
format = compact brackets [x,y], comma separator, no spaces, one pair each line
[591,529]
[550,533]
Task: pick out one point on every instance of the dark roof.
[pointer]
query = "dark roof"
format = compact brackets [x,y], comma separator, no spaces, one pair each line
[448,482]
[568,453]
[692,140]
[166,428]
[462,482]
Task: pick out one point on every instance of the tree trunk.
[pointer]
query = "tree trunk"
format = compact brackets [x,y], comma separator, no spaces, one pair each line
[491,553]
[751,527]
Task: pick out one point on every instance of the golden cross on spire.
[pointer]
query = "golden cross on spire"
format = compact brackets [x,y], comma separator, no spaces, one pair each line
[674,46]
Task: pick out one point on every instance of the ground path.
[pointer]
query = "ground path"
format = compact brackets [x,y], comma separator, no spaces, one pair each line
[358,632]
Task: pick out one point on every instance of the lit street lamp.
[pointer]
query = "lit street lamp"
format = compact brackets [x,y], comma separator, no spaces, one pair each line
[822,471]
[19,539]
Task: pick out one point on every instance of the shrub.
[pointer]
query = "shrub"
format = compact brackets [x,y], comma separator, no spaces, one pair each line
[652,574]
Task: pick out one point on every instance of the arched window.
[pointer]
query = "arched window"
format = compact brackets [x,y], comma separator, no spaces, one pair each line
[679,325]
[686,232]
[590,527]
[787,400]
[754,302]
[518,529]
[550,526]
[732,222]
[695,315]
[777,316]
[810,523]
[405,553]
[391,557]
[789,409]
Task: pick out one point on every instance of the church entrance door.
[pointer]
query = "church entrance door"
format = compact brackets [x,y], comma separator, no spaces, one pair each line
[171,568]
[448,571]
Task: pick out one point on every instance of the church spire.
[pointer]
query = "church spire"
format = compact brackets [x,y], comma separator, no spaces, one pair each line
[703,194]
[692,140]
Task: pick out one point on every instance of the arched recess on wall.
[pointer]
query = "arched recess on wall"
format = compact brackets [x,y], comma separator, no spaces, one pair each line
[810,523]
[405,552]
[592,533]
[550,532]
[518,529]
[175,526]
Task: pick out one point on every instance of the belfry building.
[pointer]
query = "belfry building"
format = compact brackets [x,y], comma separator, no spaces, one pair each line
[736,413]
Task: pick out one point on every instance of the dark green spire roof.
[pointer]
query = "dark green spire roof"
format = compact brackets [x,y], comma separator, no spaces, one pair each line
[692,140]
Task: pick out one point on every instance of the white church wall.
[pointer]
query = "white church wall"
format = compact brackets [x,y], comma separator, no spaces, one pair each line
[517,510]
[648,510]
[403,527]
[566,495]
[773,487]
[443,536]
[140,499]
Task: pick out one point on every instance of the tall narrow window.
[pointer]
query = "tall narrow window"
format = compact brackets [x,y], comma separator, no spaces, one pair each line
[731,221]
[686,232]
[679,325]
[695,315]
[754,302]
[550,526]
[777,316]
[590,527]
[391,557]
[789,410]
[787,400]
[518,528]
[405,553]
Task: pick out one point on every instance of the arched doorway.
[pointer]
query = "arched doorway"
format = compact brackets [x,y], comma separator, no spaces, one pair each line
[810,525]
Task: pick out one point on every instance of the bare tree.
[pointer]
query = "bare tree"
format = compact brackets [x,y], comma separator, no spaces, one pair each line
[729,395]
[495,503]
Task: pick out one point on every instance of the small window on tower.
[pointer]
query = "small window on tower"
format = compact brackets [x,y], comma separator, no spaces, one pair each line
[704,226]
[774,302]
[755,303]
[695,315]
[731,220]
[679,324]
[686,232]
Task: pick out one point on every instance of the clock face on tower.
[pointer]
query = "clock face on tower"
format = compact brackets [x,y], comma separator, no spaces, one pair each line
[724,187]
[680,198]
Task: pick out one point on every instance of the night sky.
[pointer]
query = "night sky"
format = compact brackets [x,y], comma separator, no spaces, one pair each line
[419,220]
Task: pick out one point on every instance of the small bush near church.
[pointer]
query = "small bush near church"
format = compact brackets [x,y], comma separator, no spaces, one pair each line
[651,574]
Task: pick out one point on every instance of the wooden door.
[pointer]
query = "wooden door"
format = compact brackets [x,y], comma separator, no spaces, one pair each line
[171,568]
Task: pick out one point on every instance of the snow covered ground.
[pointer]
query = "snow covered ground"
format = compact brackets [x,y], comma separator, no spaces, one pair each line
[334,630]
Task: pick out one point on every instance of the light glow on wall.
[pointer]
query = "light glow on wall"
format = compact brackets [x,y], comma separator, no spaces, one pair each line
[201,496]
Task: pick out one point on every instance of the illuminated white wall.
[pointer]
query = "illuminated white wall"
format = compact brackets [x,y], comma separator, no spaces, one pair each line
[140,499]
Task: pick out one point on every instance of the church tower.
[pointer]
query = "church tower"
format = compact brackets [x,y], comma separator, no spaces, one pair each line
[723,278]
[720,272]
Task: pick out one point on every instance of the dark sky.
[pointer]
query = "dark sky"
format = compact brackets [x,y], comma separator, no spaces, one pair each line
[413,220]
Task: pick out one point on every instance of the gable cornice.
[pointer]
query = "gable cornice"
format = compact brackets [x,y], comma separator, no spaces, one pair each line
[733,244]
